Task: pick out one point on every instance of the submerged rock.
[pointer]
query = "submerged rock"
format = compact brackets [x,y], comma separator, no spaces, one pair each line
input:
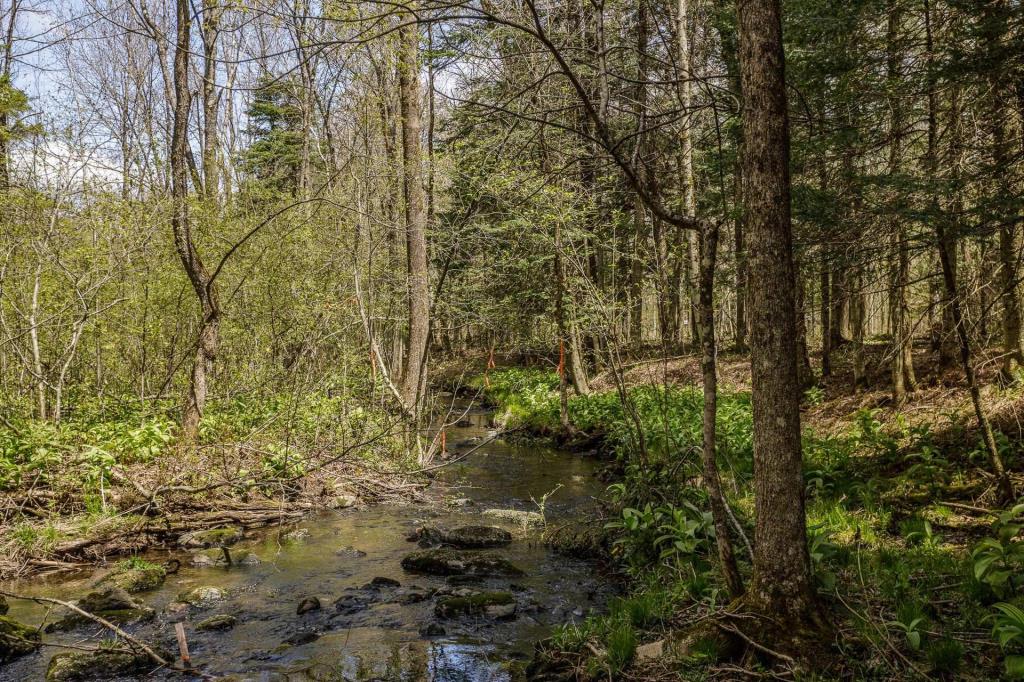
[136,576]
[350,552]
[16,639]
[221,557]
[295,535]
[102,664]
[347,604]
[464,537]
[413,596]
[110,602]
[304,637]
[490,604]
[308,604]
[202,596]
[433,630]
[381,582]
[215,623]
[452,562]
[526,519]
[215,537]
[457,580]
[202,560]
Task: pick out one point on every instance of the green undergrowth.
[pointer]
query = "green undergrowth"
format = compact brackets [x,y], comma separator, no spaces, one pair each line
[916,585]
[80,474]
[99,436]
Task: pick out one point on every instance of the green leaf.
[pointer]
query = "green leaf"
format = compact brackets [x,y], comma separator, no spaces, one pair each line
[1015,667]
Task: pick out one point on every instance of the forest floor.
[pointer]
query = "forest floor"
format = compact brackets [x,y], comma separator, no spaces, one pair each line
[920,572]
[110,481]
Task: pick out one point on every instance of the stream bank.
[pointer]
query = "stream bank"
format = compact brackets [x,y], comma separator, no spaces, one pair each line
[330,599]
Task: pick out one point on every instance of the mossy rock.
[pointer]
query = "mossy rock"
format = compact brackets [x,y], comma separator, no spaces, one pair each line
[107,598]
[215,623]
[139,577]
[217,557]
[490,604]
[202,596]
[4,606]
[452,562]
[525,519]
[16,639]
[215,537]
[102,664]
[108,601]
[466,537]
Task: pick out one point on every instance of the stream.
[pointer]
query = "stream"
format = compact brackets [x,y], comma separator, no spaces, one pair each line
[390,632]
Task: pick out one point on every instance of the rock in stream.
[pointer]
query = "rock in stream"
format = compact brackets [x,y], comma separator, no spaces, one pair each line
[453,562]
[463,537]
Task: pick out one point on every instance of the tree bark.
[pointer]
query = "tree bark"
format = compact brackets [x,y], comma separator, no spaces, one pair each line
[5,76]
[687,189]
[200,278]
[826,320]
[211,31]
[803,359]
[901,345]
[414,379]
[858,318]
[945,338]
[946,258]
[709,369]
[781,586]
[995,22]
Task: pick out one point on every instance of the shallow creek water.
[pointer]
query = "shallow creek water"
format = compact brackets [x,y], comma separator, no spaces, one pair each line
[384,641]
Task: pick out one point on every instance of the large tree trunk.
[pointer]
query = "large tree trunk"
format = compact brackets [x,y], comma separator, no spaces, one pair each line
[198,275]
[781,586]
[414,382]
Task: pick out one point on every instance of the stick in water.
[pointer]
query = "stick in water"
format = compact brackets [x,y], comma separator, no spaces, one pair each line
[179,630]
